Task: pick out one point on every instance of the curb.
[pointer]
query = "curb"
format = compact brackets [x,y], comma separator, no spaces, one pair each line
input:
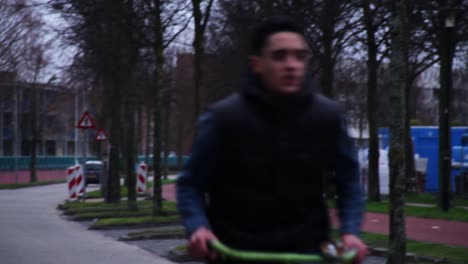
[178,256]
[151,237]
[88,218]
[176,232]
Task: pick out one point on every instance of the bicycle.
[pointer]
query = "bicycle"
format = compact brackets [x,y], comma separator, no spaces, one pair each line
[331,253]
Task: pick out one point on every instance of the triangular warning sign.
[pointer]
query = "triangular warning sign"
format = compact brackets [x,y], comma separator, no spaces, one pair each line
[101,135]
[86,121]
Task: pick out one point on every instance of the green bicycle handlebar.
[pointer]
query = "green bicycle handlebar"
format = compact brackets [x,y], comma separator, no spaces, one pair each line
[255,256]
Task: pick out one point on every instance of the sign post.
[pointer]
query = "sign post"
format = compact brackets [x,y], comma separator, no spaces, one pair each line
[86,122]
[100,137]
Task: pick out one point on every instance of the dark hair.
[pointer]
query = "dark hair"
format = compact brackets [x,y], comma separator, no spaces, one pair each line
[269,27]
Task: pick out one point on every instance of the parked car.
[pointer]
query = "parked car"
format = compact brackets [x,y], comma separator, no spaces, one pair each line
[93,170]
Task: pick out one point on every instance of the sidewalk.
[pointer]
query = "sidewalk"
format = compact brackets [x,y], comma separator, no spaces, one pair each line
[446,232]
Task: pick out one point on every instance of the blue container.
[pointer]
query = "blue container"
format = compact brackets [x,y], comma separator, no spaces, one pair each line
[460,155]
[426,144]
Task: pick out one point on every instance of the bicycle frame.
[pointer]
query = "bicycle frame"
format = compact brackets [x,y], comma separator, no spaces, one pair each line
[255,256]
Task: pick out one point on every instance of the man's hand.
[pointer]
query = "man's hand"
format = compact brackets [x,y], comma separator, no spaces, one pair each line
[352,241]
[198,244]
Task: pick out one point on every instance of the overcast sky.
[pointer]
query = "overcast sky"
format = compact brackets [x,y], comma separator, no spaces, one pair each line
[60,55]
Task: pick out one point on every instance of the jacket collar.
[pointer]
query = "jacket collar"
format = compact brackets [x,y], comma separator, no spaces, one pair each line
[282,104]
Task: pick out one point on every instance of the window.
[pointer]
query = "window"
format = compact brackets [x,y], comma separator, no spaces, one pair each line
[51,121]
[7,119]
[7,147]
[50,148]
[26,126]
[71,148]
[26,148]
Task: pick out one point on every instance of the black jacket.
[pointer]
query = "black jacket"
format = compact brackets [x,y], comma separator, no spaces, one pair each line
[267,194]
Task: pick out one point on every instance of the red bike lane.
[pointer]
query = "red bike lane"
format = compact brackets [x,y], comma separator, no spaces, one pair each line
[446,232]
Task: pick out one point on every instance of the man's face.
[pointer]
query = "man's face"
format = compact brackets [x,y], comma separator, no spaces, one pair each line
[282,62]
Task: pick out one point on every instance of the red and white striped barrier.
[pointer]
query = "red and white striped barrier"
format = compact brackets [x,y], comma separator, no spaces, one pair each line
[71,172]
[80,180]
[141,178]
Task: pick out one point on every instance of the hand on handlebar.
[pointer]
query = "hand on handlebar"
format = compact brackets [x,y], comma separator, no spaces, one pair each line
[198,244]
[352,241]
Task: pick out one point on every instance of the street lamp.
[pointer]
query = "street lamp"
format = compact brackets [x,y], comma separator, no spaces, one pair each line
[446,49]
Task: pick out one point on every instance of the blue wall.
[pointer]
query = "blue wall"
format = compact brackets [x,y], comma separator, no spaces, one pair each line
[426,144]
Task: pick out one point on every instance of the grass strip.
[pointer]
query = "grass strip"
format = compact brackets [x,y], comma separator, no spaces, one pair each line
[110,214]
[424,249]
[99,194]
[98,206]
[166,233]
[454,214]
[134,221]
[124,189]
[159,231]
[429,198]
[168,181]
[103,209]
[26,185]
[169,209]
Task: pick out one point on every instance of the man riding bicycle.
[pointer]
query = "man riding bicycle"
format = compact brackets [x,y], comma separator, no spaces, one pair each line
[256,173]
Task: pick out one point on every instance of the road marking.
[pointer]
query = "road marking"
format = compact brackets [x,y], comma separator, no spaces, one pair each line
[435,227]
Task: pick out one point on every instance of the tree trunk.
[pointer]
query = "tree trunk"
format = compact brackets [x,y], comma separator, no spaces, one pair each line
[113,177]
[148,111]
[180,135]
[158,88]
[166,113]
[125,139]
[200,21]
[268,7]
[35,138]
[139,125]
[327,62]
[157,187]
[399,75]
[35,135]
[372,67]
[409,165]
[445,154]
[131,149]
[198,72]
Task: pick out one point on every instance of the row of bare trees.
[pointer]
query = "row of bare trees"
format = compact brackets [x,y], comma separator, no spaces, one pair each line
[125,50]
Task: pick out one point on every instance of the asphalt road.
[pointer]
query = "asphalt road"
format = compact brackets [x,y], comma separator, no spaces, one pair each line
[33,232]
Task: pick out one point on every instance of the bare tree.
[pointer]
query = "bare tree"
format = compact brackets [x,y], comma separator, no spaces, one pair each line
[22,51]
[161,15]
[36,132]
[375,19]
[399,75]
[20,28]
[105,34]
[200,21]
[332,26]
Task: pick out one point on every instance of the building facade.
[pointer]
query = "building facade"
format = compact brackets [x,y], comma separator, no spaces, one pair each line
[54,112]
